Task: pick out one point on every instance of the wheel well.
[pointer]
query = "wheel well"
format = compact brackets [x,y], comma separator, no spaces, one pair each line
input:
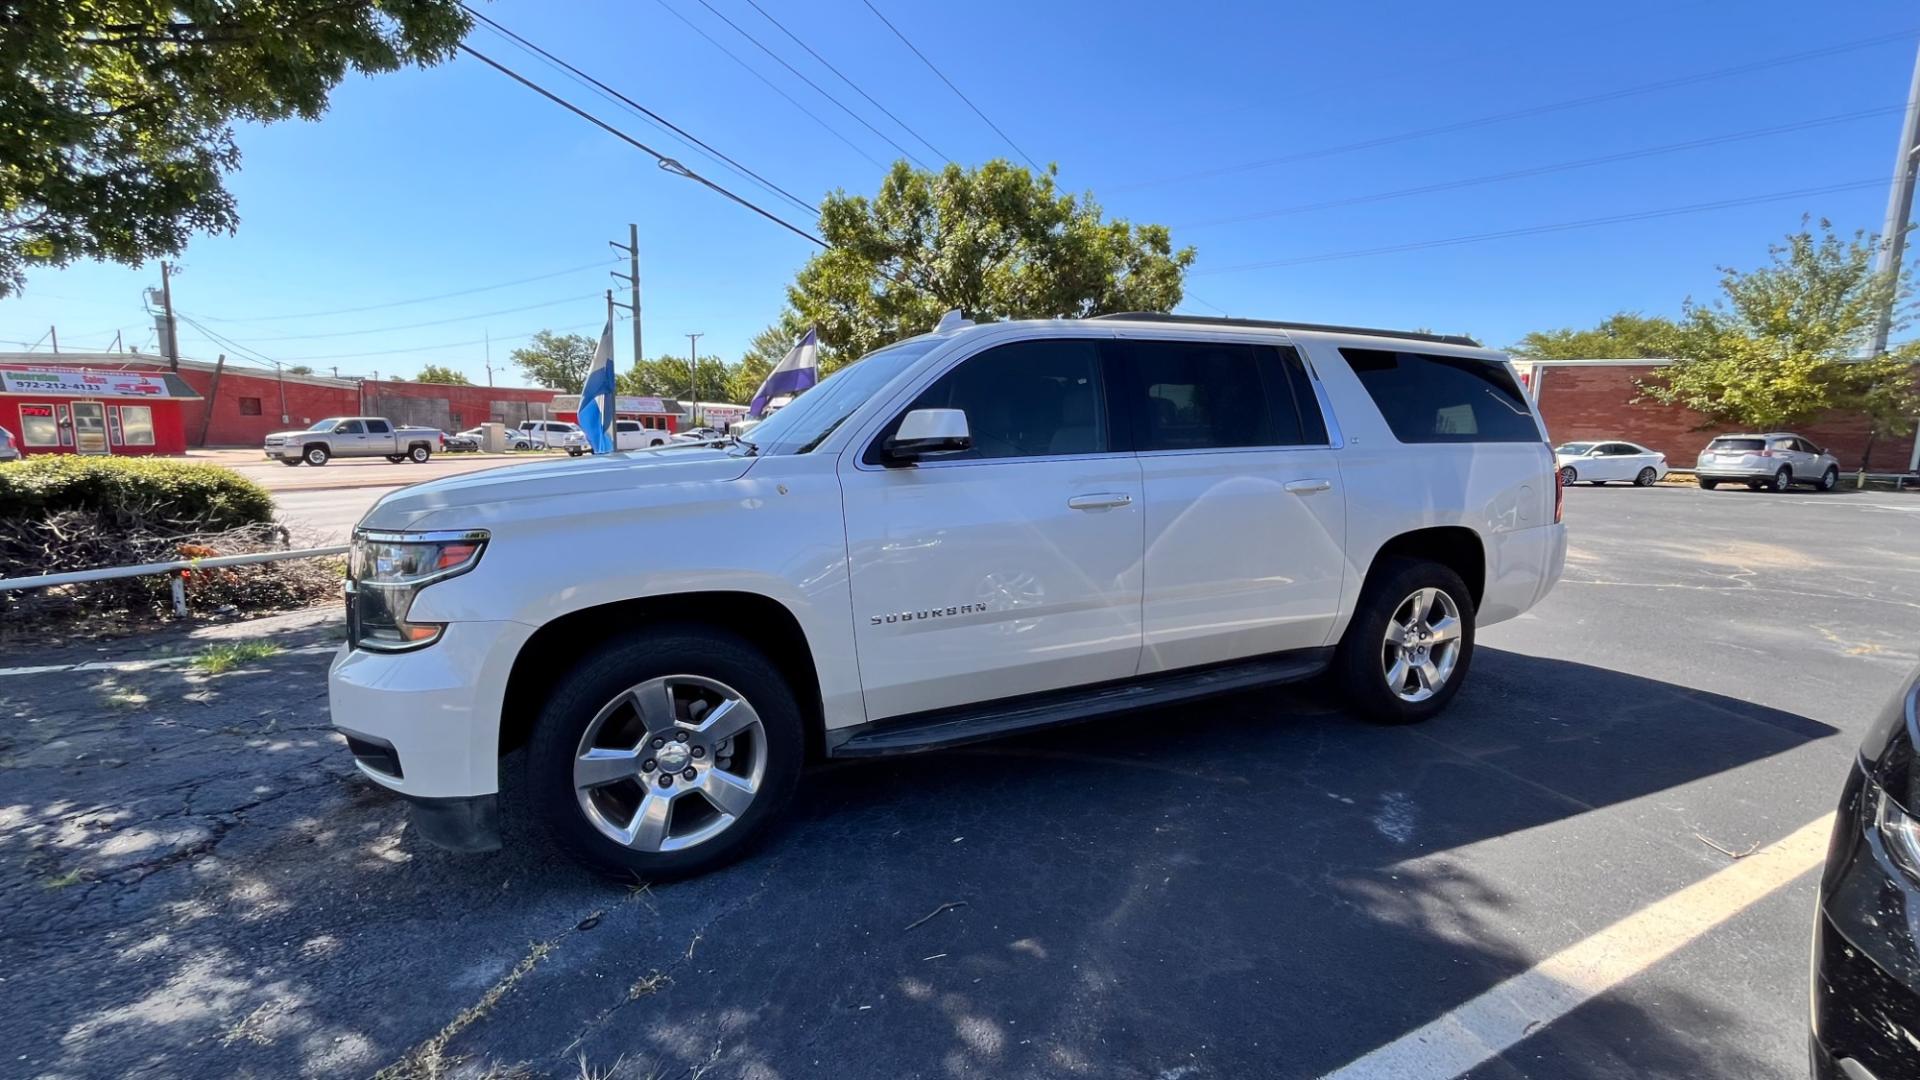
[320,445]
[1456,547]
[765,623]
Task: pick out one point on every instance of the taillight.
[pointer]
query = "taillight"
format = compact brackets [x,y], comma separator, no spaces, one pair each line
[1559,494]
[1766,453]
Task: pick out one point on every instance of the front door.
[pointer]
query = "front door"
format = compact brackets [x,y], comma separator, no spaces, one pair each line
[1246,515]
[90,428]
[1008,569]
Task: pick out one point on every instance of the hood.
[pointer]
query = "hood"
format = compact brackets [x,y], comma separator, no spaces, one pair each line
[474,499]
[296,433]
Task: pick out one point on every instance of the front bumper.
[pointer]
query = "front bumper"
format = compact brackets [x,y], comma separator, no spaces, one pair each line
[284,451]
[1866,965]
[436,710]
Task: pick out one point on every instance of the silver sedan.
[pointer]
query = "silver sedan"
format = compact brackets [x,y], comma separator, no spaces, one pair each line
[1599,462]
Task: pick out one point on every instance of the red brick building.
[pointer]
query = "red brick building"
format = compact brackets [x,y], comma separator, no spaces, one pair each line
[1593,399]
[239,404]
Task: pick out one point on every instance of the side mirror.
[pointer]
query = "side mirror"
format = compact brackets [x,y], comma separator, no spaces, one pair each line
[926,432]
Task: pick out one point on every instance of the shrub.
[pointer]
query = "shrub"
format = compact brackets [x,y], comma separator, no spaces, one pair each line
[150,493]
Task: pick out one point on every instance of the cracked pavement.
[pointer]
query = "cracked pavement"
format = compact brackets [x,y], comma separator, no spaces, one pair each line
[197,883]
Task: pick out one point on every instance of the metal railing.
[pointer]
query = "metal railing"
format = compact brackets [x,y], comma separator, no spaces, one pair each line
[177,570]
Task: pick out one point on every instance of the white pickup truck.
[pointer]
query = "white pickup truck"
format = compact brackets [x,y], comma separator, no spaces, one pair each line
[352,436]
[980,530]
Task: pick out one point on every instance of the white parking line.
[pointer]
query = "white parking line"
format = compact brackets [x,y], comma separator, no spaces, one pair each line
[1500,1018]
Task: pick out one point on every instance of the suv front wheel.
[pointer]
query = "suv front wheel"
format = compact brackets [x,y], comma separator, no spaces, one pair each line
[1410,643]
[665,753]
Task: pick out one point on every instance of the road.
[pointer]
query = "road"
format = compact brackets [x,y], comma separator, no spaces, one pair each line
[326,517]
[197,884]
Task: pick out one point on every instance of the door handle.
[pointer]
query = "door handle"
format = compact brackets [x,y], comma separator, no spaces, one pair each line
[1103,501]
[1308,487]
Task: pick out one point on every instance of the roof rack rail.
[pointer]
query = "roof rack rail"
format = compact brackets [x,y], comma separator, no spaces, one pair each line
[1273,324]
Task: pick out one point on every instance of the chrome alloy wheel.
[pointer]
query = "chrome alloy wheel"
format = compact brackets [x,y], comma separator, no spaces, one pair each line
[670,763]
[1422,645]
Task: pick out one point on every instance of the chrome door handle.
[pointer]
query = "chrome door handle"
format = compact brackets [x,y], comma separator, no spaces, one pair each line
[1103,501]
[1308,487]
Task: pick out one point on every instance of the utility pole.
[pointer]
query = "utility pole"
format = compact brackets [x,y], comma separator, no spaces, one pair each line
[280,373]
[172,342]
[1893,235]
[488,335]
[632,278]
[54,333]
[693,377]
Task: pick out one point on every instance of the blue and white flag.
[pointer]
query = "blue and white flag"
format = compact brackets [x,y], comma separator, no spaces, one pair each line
[596,397]
[799,370]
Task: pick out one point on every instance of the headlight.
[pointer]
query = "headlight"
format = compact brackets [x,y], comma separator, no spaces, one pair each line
[1888,756]
[387,570]
[1899,833]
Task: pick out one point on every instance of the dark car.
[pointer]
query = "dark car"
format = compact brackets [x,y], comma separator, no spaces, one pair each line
[459,444]
[1866,961]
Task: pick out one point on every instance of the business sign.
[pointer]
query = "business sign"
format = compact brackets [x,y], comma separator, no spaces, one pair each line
[83,383]
[628,403]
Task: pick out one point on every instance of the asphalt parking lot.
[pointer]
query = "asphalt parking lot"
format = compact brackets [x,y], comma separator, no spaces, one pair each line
[196,884]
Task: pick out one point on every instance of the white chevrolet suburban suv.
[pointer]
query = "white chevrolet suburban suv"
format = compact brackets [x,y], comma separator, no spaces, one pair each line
[981,530]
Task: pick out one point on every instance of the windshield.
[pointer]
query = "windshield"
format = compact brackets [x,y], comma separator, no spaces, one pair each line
[1737,444]
[323,425]
[801,426]
[1573,448]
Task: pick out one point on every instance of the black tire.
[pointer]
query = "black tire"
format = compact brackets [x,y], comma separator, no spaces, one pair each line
[1709,485]
[292,463]
[316,456]
[575,453]
[1358,663]
[1596,483]
[1782,479]
[1567,476]
[419,453]
[396,458]
[668,649]
[1645,477]
[1830,479]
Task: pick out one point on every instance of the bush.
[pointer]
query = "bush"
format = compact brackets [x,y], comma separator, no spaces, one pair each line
[150,493]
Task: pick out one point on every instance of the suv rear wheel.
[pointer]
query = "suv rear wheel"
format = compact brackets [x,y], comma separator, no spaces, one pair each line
[1410,643]
[665,753]
[1783,479]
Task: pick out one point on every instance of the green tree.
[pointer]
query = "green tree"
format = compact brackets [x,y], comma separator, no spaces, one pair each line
[120,113]
[997,242]
[1784,342]
[557,361]
[667,376]
[436,373]
[1626,335]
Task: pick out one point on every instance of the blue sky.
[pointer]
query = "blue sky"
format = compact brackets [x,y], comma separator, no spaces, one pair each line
[424,183]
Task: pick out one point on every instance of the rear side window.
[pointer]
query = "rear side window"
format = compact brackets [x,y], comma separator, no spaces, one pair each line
[378,427]
[1435,398]
[1199,395]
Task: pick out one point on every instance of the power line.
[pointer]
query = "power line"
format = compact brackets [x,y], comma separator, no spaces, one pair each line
[664,161]
[415,300]
[633,106]
[431,322]
[1518,114]
[1541,170]
[956,90]
[888,139]
[775,87]
[595,324]
[1562,226]
[843,78]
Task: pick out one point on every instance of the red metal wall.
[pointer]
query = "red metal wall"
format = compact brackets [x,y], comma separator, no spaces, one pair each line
[169,435]
[1596,402]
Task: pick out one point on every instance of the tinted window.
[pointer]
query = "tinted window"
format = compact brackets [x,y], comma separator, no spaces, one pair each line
[1737,444]
[1027,399]
[1196,395]
[1434,398]
[378,427]
[352,427]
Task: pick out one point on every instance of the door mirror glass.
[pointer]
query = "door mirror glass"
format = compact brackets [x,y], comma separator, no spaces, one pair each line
[927,432]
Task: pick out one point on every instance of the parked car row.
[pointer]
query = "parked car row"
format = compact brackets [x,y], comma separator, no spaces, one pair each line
[1770,461]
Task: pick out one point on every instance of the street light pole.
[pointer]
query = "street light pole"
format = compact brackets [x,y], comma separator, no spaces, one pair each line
[1893,235]
[693,375]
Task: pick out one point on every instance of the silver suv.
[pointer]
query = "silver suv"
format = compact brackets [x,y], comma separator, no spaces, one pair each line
[1775,459]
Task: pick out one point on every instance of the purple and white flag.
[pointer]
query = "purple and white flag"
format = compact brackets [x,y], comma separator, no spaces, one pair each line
[797,371]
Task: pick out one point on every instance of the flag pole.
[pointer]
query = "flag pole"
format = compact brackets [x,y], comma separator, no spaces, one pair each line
[613,392]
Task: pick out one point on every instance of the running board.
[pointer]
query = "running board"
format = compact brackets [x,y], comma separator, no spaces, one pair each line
[990,720]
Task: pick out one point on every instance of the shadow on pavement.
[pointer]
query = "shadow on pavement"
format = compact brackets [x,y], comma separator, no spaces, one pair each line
[1252,886]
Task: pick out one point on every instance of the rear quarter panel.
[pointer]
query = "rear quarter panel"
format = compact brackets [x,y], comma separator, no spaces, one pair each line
[1504,492]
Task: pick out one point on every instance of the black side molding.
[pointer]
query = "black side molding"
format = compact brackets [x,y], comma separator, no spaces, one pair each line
[987,720]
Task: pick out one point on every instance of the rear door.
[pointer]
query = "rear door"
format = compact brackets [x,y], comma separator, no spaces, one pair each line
[380,438]
[1011,568]
[1245,512]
